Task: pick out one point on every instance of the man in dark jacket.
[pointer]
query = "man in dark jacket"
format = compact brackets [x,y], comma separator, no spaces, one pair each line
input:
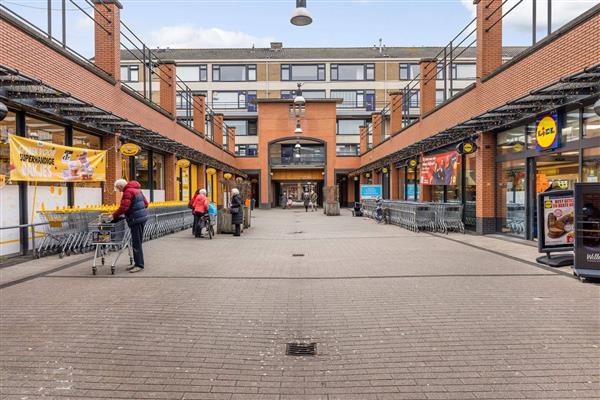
[133,205]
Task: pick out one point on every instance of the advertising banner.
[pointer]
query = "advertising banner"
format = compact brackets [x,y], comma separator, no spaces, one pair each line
[440,169]
[37,161]
[370,191]
[556,221]
[587,238]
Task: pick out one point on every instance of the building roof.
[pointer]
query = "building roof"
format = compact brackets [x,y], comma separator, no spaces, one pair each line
[299,53]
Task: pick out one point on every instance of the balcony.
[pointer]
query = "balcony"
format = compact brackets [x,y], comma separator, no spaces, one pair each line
[301,161]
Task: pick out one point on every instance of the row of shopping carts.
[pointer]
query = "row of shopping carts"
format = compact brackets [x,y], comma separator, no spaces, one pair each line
[434,217]
[75,232]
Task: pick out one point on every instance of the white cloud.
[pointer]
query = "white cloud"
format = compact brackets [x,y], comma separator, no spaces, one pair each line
[190,36]
[520,18]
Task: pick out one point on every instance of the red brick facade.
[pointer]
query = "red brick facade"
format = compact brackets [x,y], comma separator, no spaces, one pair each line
[427,82]
[107,37]
[167,72]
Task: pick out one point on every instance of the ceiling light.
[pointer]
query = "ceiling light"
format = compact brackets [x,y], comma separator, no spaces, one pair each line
[301,16]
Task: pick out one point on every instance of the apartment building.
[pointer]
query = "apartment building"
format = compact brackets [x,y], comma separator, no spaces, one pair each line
[232,80]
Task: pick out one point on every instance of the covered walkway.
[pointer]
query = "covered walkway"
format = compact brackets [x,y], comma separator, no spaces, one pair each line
[394,315]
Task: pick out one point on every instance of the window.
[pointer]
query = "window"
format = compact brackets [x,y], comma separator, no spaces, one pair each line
[158,171]
[346,149]
[141,168]
[352,72]
[591,165]
[182,98]
[412,98]
[303,72]
[464,71]
[234,73]
[355,98]
[439,96]
[45,131]
[7,126]
[441,72]
[246,150]
[350,126]
[409,71]
[307,94]
[86,141]
[511,197]
[591,123]
[231,100]
[192,73]
[243,127]
[571,129]
[512,141]
[130,73]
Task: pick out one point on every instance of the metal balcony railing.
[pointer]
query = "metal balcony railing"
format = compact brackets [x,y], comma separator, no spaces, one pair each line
[302,160]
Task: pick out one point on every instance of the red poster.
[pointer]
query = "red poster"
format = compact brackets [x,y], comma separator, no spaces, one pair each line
[440,169]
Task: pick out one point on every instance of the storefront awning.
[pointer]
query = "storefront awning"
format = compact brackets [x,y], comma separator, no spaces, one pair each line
[574,89]
[32,95]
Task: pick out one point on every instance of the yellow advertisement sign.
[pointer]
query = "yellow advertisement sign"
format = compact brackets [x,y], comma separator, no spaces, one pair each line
[130,149]
[37,161]
[183,163]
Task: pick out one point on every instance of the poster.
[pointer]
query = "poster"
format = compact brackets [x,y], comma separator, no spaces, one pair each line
[440,169]
[370,191]
[557,213]
[37,161]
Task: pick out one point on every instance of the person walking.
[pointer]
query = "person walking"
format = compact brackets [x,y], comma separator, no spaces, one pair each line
[133,206]
[236,211]
[313,200]
[306,200]
[200,208]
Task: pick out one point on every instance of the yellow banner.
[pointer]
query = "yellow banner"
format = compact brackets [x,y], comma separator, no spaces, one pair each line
[37,161]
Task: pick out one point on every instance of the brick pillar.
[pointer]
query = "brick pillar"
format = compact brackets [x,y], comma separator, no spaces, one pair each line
[219,188]
[364,140]
[114,167]
[201,176]
[107,36]
[427,84]
[167,71]
[231,139]
[170,177]
[377,128]
[376,177]
[199,113]
[485,178]
[395,112]
[489,44]
[218,129]
[394,182]
[363,179]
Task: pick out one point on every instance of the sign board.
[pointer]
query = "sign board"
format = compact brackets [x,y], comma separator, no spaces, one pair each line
[556,221]
[547,133]
[370,191]
[38,161]
[130,149]
[466,147]
[587,226]
[440,169]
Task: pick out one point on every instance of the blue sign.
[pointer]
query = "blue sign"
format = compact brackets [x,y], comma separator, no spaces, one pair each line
[410,192]
[370,191]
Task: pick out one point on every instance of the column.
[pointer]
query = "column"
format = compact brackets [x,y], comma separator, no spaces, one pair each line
[219,188]
[489,43]
[114,167]
[218,125]
[485,178]
[107,36]
[170,177]
[395,101]
[167,71]
[394,182]
[231,139]
[199,113]
[428,77]
[364,140]
[377,128]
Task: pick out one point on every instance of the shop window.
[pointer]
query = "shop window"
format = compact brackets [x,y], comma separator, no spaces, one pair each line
[88,192]
[7,126]
[591,165]
[45,131]
[511,141]
[402,183]
[470,189]
[141,169]
[571,129]
[158,172]
[511,197]
[591,123]
[412,183]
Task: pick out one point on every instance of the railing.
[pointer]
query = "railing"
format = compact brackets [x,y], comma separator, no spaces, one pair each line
[303,160]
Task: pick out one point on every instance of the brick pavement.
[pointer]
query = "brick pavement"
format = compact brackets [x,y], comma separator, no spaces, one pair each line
[396,315]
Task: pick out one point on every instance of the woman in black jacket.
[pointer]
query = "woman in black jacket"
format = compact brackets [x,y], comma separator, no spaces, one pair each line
[237,213]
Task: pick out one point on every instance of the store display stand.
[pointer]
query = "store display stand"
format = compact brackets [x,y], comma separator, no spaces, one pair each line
[562,260]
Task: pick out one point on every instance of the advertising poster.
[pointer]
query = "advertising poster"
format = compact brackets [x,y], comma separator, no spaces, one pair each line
[370,191]
[37,161]
[557,213]
[440,169]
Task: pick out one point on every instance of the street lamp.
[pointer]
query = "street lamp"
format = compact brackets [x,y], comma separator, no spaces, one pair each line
[301,16]
[298,108]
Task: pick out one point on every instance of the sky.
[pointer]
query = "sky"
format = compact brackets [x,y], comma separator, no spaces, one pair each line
[337,23]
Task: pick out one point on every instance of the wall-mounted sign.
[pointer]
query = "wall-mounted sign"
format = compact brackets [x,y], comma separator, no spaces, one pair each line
[556,221]
[130,149]
[370,191]
[440,169]
[183,163]
[211,171]
[38,161]
[412,163]
[467,147]
[368,175]
[227,175]
[385,170]
[356,178]
[547,133]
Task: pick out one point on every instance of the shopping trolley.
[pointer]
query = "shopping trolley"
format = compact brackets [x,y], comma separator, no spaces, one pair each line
[110,236]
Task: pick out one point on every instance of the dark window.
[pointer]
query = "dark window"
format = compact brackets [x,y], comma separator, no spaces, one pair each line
[246,150]
[413,98]
[346,149]
[234,73]
[352,72]
[303,72]
[243,127]
[192,73]
[354,98]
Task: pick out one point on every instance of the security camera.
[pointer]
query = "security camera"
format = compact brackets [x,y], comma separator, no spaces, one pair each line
[3,111]
[597,107]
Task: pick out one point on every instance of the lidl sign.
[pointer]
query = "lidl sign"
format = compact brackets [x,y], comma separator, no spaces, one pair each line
[547,133]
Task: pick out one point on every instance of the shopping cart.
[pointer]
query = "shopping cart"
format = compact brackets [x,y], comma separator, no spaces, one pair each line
[110,236]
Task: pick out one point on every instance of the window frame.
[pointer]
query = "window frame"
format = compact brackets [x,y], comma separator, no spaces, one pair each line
[248,68]
[201,68]
[334,76]
[130,68]
[454,72]
[290,71]
[409,71]
[359,92]
[245,94]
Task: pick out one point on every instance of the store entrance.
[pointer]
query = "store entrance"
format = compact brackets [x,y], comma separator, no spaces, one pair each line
[293,192]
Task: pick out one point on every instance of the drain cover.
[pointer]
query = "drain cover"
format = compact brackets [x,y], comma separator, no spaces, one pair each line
[301,349]
[298,255]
